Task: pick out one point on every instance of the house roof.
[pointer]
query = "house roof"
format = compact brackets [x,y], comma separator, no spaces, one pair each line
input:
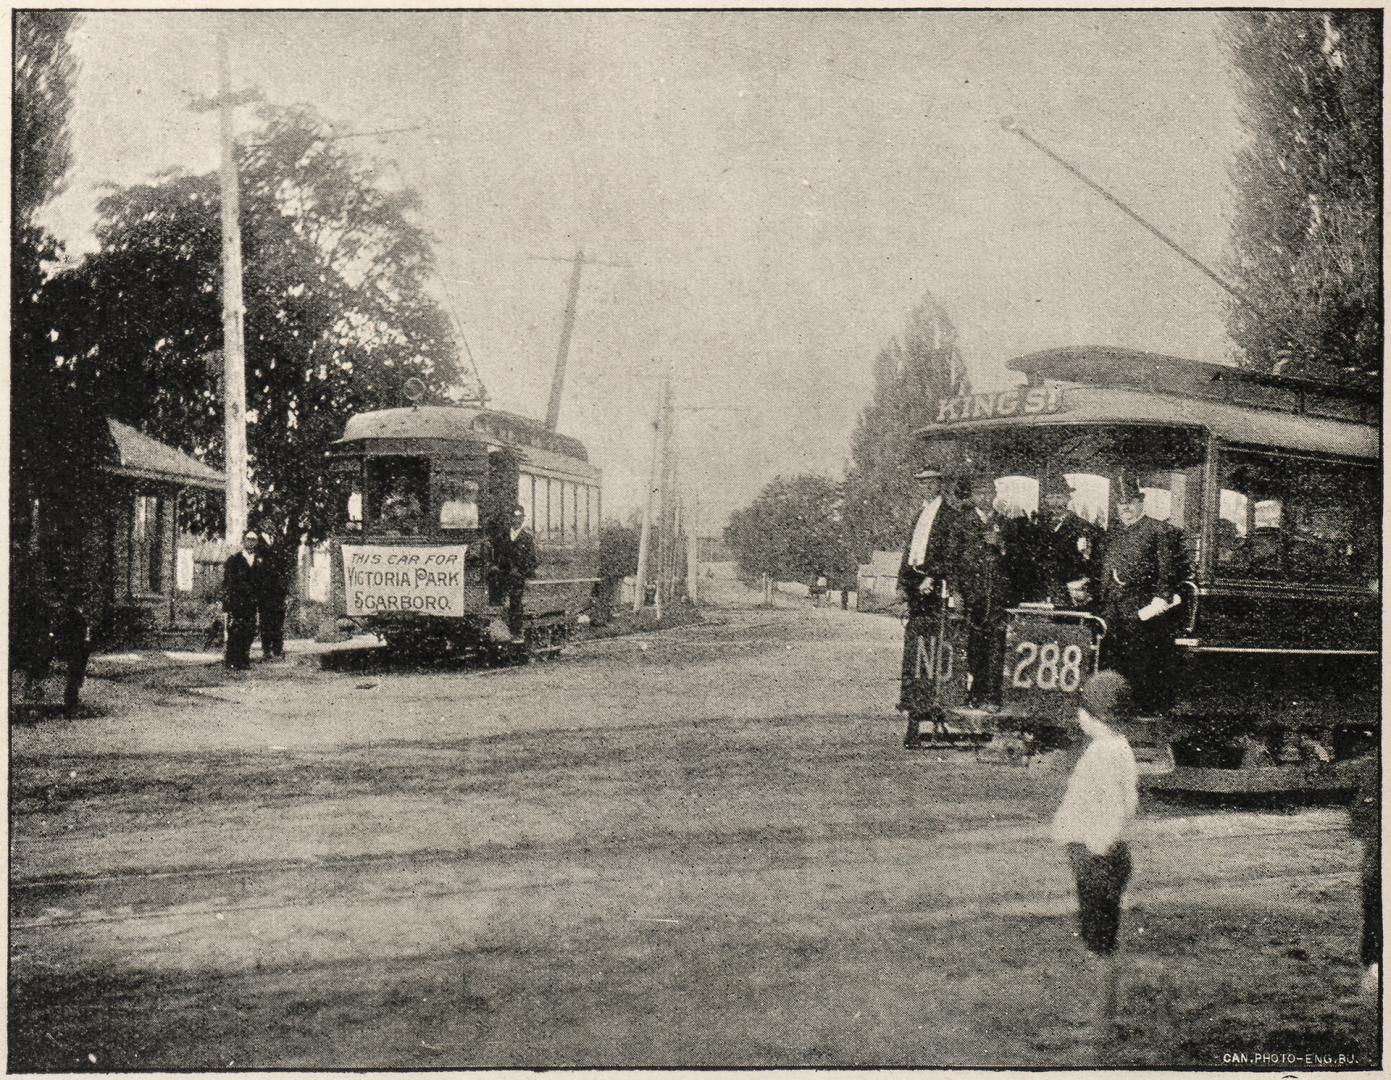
[143,458]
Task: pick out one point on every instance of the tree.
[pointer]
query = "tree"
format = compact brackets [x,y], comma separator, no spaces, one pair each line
[43,77]
[908,378]
[57,433]
[792,531]
[1307,230]
[338,312]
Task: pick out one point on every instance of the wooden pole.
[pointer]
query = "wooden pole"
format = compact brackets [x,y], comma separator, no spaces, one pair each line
[233,335]
[693,550]
[645,538]
[567,326]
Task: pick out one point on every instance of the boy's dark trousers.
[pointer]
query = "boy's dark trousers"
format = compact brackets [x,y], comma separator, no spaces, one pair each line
[1101,881]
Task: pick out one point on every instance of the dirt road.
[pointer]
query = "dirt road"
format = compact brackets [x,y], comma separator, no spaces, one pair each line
[703,847]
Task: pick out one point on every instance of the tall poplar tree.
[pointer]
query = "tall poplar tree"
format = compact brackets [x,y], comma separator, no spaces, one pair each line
[909,375]
[1307,231]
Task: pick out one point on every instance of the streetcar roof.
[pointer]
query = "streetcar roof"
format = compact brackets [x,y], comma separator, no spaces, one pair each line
[1255,427]
[462,424]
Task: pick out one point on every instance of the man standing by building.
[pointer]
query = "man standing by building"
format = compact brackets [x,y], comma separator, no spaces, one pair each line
[241,593]
[275,573]
[1141,571]
[514,561]
[923,579]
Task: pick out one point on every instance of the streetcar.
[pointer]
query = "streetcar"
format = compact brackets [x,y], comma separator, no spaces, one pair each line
[421,491]
[1275,486]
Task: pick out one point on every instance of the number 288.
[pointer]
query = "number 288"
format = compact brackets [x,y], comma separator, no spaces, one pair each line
[1047,667]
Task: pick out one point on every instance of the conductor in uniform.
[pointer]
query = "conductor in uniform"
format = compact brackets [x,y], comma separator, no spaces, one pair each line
[923,574]
[514,561]
[242,590]
[1141,570]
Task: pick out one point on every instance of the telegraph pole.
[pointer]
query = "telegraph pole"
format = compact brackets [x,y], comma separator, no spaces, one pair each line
[654,487]
[233,329]
[567,326]
[233,335]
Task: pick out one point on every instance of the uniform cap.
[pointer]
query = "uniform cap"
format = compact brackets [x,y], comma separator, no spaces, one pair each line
[1107,696]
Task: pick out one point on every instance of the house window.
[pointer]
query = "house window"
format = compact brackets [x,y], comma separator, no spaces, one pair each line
[147,545]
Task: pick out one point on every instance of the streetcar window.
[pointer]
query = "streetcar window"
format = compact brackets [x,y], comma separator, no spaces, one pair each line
[524,494]
[458,502]
[347,496]
[1297,520]
[396,494]
[575,490]
[566,498]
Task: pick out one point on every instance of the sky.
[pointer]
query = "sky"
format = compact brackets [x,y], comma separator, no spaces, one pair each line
[781,188]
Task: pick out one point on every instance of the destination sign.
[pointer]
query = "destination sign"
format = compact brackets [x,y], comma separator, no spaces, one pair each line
[1020,401]
[382,580]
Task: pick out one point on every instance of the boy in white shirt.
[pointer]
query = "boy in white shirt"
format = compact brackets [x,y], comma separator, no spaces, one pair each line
[1092,820]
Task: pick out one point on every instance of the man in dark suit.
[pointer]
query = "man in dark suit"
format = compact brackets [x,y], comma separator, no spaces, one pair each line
[927,574]
[1141,570]
[514,561]
[1070,545]
[271,601]
[987,587]
[241,592]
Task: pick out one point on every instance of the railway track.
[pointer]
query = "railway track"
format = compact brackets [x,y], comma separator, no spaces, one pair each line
[959,848]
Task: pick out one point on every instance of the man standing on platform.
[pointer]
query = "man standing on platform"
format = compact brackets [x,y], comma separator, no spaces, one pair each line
[241,594]
[1141,571]
[1071,545]
[514,561]
[923,580]
[986,588]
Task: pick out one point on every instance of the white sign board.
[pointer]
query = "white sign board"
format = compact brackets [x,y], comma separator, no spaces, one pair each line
[382,580]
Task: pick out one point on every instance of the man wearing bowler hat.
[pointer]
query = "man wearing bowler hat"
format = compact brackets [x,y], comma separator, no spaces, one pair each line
[1069,545]
[1141,570]
[923,578]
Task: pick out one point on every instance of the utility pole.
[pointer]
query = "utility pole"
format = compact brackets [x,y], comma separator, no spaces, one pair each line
[693,549]
[567,326]
[653,485]
[233,334]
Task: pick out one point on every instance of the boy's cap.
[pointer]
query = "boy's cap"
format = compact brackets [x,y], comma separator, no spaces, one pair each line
[1107,696]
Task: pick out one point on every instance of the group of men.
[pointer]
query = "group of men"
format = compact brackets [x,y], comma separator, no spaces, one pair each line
[965,555]
[254,588]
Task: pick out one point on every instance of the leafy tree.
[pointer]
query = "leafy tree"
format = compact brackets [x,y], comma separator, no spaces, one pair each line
[1307,230]
[57,434]
[792,531]
[338,313]
[908,378]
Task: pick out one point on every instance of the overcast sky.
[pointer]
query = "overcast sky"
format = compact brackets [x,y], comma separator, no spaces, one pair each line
[783,186]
